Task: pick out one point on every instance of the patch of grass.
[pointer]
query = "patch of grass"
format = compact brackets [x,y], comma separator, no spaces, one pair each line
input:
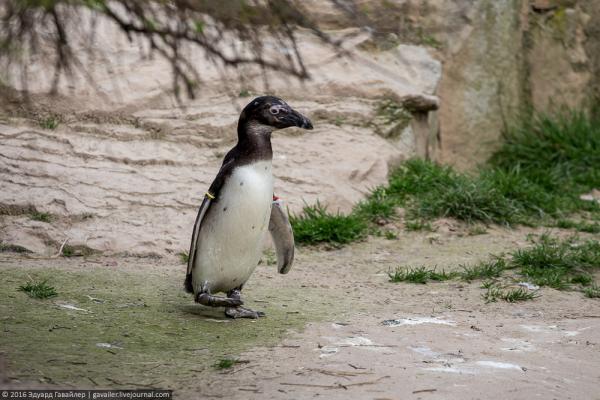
[560,152]
[184,257]
[244,93]
[520,294]
[583,279]
[475,230]
[77,251]
[378,206]
[225,363]
[431,191]
[390,235]
[41,216]
[488,284]
[578,226]
[535,178]
[12,248]
[339,121]
[593,292]
[552,262]
[50,122]
[393,112]
[316,225]
[269,257]
[420,275]
[483,270]
[495,293]
[38,289]
[418,225]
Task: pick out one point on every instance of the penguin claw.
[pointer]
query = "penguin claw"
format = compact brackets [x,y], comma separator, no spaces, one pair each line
[216,301]
[241,312]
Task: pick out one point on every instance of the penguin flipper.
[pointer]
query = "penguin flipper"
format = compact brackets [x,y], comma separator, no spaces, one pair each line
[283,237]
[193,246]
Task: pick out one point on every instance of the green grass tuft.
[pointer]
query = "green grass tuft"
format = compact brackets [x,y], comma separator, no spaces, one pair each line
[225,363]
[378,206]
[77,251]
[554,263]
[583,279]
[12,248]
[50,122]
[475,230]
[560,152]
[42,216]
[390,235]
[488,284]
[316,225]
[38,290]
[578,226]
[483,270]
[494,293]
[420,275]
[418,225]
[184,257]
[593,292]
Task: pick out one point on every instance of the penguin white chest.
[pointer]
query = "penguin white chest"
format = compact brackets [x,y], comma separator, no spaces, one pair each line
[231,237]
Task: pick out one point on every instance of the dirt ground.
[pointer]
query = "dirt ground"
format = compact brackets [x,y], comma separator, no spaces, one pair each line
[335,328]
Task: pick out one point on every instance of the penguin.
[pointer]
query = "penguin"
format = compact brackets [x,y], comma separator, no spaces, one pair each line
[238,210]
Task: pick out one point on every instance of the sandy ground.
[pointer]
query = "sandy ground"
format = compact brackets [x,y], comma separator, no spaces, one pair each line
[325,335]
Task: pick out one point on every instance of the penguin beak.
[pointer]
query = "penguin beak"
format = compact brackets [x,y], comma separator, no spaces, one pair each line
[296,119]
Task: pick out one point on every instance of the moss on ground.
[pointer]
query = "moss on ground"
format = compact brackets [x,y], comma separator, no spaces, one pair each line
[158,337]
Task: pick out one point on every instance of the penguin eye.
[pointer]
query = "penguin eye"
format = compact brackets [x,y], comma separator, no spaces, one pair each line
[274,110]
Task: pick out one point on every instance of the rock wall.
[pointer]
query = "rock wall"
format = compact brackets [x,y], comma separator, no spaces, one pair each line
[114,164]
[499,59]
[121,167]
[508,58]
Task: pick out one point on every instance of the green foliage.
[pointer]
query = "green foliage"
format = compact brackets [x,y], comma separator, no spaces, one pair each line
[484,269]
[42,216]
[578,226]
[12,248]
[583,279]
[316,225]
[593,292]
[419,275]
[38,290]
[495,293]
[184,257]
[393,112]
[390,235]
[554,263]
[560,152]
[225,363]
[269,257]
[431,191]
[475,230]
[50,122]
[535,178]
[77,251]
[418,225]
[378,206]
[488,284]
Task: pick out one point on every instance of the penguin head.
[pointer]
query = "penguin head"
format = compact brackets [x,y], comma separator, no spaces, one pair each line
[272,112]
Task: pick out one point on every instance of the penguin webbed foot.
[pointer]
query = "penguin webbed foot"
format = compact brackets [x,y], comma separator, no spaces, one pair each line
[207,299]
[241,312]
